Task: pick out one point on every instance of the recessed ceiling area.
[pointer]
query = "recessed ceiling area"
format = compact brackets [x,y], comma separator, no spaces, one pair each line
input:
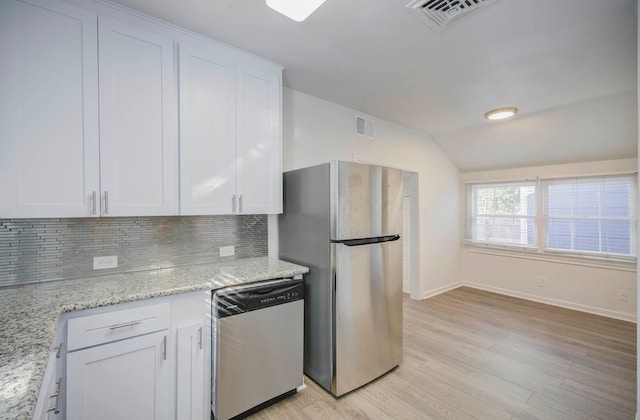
[568,66]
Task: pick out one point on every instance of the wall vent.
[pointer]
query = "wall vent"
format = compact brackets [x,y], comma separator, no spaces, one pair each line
[364,127]
[441,14]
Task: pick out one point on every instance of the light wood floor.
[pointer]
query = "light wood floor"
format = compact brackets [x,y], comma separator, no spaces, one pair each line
[471,354]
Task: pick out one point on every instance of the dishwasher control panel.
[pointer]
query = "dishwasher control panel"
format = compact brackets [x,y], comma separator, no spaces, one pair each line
[240,299]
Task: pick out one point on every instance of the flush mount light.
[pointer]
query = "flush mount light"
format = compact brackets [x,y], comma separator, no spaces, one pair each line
[297,10]
[501,113]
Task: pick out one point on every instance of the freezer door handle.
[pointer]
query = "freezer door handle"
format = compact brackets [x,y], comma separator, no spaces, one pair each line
[366,241]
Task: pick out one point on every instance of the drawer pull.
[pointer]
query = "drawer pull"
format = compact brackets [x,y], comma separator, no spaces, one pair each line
[200,338]
[125,325]
[164,348]
[58,396]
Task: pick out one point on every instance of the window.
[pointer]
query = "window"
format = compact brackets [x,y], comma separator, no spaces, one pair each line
[590,215]
[502,214]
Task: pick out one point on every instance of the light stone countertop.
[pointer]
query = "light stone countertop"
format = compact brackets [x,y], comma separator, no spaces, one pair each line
[29,314]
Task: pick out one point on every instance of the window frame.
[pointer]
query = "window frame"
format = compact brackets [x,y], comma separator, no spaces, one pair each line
[541,249]
[471,216]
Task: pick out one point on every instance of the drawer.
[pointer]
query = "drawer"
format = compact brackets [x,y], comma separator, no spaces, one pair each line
[116,325]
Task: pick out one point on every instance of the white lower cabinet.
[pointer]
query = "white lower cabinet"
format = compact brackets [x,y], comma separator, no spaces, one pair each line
[140,360]
[127,379]
[51,400]
[45,406]
[191,376]
[191,327]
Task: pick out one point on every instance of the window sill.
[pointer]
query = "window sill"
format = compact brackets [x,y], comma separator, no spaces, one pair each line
[532,254]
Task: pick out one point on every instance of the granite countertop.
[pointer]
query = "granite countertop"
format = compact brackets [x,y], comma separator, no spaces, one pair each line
[29,314]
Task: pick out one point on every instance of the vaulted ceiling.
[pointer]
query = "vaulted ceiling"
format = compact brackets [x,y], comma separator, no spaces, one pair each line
[568,65]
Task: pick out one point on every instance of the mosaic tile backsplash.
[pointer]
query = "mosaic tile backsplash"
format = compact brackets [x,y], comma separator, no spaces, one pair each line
[34,250]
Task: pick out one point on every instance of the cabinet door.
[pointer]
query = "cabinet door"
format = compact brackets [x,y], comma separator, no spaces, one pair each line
[259,137]
[127,379]
[48,110]
[48,398]
[138,122]
[207,131]
[190,383]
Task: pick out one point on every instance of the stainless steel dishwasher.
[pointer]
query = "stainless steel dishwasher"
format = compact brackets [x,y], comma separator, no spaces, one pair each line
[258,342]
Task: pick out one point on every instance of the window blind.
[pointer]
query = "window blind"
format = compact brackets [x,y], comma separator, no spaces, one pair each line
[592,215]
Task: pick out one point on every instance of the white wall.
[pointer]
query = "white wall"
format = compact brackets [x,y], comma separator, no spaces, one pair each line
[638,236]
[584,287]
[317,131]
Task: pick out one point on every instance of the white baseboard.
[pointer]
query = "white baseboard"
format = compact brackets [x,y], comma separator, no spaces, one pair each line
[555,302]
[549,301]
[434,292]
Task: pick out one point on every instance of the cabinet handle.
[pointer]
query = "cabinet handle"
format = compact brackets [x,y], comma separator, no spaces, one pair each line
[200,338]
[58,396]
[240,204]
[93,197]
[106,202]
[58,351]
[233,204]
[164,348]
[127,324]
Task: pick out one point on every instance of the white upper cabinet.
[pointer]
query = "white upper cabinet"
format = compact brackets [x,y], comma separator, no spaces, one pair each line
[259,137]
[138,122]
[230,133]
[48,110]
[89,117]
[207,130]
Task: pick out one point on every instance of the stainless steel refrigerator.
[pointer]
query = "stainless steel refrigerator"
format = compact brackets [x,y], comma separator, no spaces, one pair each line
[343,220]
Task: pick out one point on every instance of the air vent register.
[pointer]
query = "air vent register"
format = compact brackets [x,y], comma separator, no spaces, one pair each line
[440,14]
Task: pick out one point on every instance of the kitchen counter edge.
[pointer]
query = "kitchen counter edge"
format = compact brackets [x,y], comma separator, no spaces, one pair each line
[31,313]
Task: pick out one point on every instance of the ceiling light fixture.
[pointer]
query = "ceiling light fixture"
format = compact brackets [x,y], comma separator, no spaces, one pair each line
[297,10]
[501,113]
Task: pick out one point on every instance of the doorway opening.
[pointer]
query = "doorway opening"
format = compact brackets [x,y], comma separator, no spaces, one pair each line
[410,233]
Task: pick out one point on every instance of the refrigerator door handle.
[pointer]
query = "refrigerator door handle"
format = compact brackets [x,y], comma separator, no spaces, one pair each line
[366,241]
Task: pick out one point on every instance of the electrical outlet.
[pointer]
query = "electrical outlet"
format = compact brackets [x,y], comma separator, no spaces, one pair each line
[101,263]
[542,281]
[623,295]
[227,251]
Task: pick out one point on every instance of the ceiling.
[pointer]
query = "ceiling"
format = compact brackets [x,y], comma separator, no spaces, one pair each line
[569,66]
